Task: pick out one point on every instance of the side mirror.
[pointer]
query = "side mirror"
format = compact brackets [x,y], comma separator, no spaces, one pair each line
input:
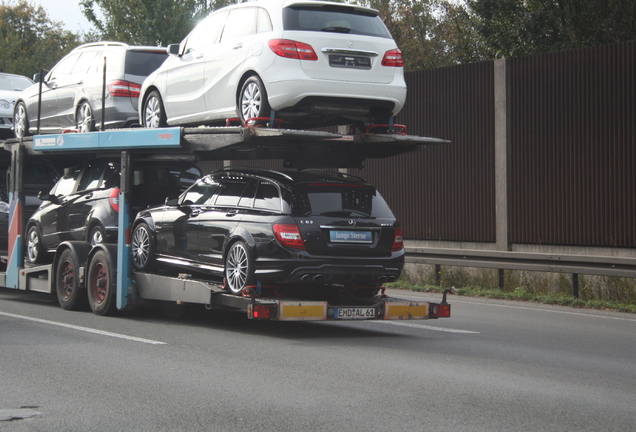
[46,196]
[174,49]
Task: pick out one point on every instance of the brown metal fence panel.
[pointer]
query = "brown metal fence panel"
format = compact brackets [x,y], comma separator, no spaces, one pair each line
[572,147]
[444,192]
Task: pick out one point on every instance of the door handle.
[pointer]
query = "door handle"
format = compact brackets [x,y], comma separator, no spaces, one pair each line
[238,46]
[89,195]
[195,213]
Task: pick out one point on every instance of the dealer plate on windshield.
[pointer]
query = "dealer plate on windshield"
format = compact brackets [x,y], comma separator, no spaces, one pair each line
[337,236]
[351,313]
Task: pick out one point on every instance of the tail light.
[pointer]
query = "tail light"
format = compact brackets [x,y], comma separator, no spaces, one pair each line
[113,199]
[393,58]
[292,49]
[289,235]
[440,310]
[398,241]
[121,88]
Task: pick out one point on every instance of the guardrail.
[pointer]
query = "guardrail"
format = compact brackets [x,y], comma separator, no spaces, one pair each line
[501,260]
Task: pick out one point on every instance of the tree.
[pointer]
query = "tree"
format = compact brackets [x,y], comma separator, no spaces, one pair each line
[430,33]
[147,22]
[30,40]
[514,28]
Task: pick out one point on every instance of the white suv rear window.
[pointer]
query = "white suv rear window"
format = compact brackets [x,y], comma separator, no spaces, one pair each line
[334,19]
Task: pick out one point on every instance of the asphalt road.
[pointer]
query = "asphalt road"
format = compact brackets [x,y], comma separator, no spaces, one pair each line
[493,366]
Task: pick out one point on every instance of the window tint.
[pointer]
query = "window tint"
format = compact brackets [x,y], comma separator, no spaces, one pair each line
[201,192]
[206,33]
[264,21]
[66,185]
[267,197]
[247,199]
[240,23]
[91,177]
[143,62]
[231,191]
[63,68]
[111,176]
[14,82]
[85,61]
[333,19]
[339,200]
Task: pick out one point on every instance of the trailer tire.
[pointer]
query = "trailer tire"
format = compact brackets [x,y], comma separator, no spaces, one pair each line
[69,294]
[239,267]
[101,284]
[143,248]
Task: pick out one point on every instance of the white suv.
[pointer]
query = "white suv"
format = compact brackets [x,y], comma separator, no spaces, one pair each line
[311,62]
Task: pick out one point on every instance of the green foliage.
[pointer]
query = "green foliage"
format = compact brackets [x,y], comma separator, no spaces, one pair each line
[515,28]
[30,40]
[147,22]
[430,33]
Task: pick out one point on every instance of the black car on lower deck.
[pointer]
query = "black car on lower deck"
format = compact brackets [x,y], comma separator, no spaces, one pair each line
[84,203]
[255,227]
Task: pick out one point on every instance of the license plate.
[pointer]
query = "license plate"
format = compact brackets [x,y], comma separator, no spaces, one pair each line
[346,61]
[350,236]
[352,313]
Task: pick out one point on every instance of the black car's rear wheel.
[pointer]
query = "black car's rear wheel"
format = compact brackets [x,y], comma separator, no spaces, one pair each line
[97,235]
[35,246]
[239,267]
[143,247]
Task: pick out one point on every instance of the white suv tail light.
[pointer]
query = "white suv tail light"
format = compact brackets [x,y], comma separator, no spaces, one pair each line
[393,58]
[292,49]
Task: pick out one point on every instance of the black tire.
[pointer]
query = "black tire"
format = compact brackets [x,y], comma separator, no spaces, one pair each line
[96,235]
[69,294]
[154,114]
[101,284]
[239,267]
[252,100]
[143,248]
[84,118]
[21,121]
[35,247]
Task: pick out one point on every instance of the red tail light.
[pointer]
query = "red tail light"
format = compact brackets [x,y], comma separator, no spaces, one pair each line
[292,49]
[393,58]
[121,88]
[398,242]
[113,199]
[289,235]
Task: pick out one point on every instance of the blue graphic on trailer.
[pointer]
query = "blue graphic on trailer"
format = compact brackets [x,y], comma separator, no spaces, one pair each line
[110,140]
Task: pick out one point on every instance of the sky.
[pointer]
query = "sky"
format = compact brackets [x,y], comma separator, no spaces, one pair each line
[66,11]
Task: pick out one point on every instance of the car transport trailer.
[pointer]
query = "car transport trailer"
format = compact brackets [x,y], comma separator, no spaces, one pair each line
[103,275]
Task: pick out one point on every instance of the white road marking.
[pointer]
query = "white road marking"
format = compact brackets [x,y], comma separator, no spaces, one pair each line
[426,327]
[84,329]
[559,311]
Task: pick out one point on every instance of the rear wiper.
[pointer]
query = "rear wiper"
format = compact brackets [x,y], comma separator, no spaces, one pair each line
[337,29]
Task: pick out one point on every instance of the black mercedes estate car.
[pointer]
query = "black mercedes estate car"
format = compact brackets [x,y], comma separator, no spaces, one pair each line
[253,227]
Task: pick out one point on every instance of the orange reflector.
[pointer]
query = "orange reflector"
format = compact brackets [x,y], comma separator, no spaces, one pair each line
[405,310]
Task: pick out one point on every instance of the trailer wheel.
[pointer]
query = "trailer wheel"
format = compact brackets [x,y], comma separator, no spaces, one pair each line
[143,247]
[239,267]
[35,246]
[69,294]
[101,285]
